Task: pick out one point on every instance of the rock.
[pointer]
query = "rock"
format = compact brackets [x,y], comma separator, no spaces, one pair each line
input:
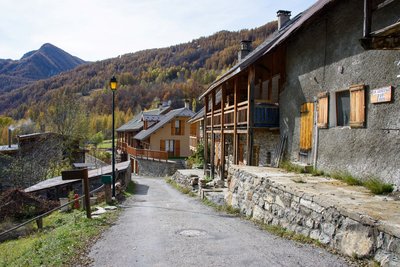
[99,211]
[110,207]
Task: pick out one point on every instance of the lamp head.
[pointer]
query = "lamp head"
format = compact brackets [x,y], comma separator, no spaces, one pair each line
[113,83]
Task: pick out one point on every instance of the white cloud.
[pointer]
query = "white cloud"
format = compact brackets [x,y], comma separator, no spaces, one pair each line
[99,29]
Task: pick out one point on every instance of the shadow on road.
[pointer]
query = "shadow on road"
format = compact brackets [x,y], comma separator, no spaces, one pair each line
[141,189]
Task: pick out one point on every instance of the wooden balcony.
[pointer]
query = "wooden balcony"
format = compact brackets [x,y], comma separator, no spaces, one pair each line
[121,146]
[147,154]
[265,116]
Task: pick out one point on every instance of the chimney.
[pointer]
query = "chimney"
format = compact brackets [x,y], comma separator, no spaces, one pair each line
[283,18]
[9,137]
[187,104]
[245,48]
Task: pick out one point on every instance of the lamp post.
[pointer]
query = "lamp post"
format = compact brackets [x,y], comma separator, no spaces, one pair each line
[113,86]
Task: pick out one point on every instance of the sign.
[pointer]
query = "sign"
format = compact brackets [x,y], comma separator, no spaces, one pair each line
[74,174]
[381,95]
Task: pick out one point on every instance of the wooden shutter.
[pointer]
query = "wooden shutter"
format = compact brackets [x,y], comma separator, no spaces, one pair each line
[182,127]
[177,148]
[172,127]
[323,110]
[306,126]
[162,145]
[357,106]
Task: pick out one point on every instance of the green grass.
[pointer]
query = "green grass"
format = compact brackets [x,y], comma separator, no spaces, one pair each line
[346,177]
[106,144]
[61,242]
[290,167]
[182,189]
[221,208]
[378,187]
[130,189]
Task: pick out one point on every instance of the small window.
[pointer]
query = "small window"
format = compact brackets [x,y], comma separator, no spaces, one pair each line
[177,127]
[343,108]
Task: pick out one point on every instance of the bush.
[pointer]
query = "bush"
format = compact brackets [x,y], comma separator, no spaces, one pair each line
[197,159]
[378,187]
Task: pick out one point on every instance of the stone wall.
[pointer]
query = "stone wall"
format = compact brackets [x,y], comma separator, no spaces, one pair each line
[326,56]
[267,142]
[274,203]
[156,168]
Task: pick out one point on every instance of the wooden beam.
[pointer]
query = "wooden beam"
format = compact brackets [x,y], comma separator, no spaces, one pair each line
[205,138]
[250,107]
[367,18]
[222,151]
[212,148]
[235,119]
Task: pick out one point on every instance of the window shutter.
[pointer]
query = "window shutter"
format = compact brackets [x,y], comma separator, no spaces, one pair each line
[306,126]
[177,148]
[323,110]
[182,126]
[162,145]
[357,106]
[172,127]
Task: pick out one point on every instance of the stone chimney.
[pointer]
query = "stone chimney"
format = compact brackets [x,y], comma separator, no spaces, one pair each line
[245,49]
[283,17]
[187,104]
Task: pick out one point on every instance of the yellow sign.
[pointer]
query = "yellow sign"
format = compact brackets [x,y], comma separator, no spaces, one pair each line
[381,95]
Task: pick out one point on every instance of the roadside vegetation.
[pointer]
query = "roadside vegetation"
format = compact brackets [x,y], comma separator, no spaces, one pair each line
[63,241]
[375,185]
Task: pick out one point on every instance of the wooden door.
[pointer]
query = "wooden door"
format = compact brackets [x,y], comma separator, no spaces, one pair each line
[306,126]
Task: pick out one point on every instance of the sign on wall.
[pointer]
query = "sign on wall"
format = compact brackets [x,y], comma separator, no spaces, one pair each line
[381,95]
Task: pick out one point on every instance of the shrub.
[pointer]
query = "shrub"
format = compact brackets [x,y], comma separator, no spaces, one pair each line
[378,187]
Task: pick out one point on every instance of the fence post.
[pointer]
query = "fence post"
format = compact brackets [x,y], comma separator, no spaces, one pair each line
[39,223]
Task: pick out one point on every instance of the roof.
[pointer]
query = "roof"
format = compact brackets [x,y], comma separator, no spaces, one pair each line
[270,43]
[136,123]
[180,112]
[198,116]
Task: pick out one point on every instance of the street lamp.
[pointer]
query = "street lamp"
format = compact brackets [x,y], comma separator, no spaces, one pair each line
[113,86]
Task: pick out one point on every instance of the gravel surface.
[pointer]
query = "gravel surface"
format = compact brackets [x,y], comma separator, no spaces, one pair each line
[162,227]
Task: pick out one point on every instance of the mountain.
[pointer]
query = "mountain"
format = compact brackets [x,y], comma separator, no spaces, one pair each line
[171,73]
[43,63]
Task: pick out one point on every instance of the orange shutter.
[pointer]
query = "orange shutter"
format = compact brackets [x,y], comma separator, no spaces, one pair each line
[357,106]
[182,126]
[323,110]
[172,127]
[306,126]
[162,145]
[177,147]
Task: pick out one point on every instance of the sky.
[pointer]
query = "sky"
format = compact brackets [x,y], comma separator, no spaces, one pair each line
[100,29]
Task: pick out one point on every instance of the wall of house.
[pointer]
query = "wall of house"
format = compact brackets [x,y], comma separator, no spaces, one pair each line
[164,133]
[327,56]
[267,142]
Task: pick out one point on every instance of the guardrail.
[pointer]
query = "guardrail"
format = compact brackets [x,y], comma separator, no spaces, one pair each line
[147,154]
[39,218]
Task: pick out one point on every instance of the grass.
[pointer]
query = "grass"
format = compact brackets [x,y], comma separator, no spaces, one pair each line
[182,189]
[62,242]
[377,187]
[221,208]
[106,144]
[290,167]
[130,189]
[346,177]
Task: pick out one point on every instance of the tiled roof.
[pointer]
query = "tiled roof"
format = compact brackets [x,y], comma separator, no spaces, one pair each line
[198,116]
[180,112]
[136,123]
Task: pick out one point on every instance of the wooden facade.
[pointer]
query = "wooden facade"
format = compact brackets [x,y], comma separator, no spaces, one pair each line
[237,105]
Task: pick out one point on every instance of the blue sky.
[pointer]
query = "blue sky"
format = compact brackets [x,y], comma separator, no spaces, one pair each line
[99,29]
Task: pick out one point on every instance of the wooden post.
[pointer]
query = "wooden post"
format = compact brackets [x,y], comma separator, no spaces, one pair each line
[212,156]
[223,93]
[39,223]
[250,110]
[235,119]
[85,181]
[205,137]
[367,18]
[107,192]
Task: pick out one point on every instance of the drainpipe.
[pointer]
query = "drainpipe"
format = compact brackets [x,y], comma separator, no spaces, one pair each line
[316,133]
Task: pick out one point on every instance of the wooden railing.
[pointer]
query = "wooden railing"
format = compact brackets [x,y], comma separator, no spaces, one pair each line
[147,154]
[122,145]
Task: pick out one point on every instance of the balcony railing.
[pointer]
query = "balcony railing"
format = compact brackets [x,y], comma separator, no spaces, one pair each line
[147,154]
[121,146]
[265,115]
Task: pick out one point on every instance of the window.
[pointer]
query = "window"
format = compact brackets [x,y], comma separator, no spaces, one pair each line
[169,145]
[343,108]
[177,127]
[323,110]
[351,107]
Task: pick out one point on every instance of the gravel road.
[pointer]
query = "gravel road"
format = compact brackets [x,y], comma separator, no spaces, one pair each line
[162,227]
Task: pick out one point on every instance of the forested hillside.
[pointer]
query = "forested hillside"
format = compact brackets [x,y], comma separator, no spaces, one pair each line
[173,73]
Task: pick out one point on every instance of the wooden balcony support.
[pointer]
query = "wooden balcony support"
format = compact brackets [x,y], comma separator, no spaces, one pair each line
[205,137]
[235,135]
[222,131]
[250,111]
[212,156]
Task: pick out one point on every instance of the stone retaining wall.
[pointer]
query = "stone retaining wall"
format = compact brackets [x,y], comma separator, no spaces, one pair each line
[276,204]
[156,168]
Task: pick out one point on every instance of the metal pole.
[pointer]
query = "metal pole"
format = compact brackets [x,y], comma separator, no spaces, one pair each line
[113,146]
